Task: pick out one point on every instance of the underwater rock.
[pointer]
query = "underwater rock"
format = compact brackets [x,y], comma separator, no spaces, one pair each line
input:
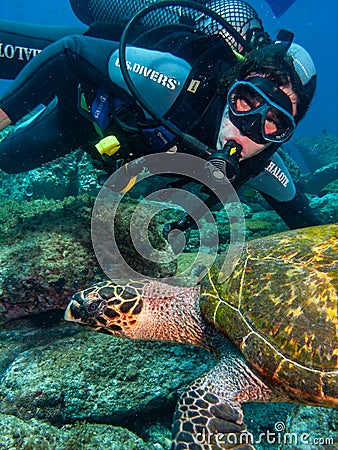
[35,434]
[257,223]
[318,151]
[100,379]
[17,336]
[87,177]
[315,182]
[71,175]
[60,374]
[55,180]
[291,164]
[46,252]
[263,419]
[264,223]
[42,272]
[326,207]
[304,429]
[136,224]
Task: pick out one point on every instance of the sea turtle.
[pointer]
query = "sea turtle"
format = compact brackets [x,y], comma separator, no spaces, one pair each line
[272,324]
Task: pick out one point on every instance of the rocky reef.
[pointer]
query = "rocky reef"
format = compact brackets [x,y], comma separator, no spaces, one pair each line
[37,435]
[318,151]
[66,388]
[47,255]
[73,378]
[62,387]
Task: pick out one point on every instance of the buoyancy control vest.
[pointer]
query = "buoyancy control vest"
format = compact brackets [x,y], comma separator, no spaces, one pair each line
[188,99]
[181,86]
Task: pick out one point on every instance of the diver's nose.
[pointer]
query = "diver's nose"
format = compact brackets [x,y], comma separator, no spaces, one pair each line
[252,125]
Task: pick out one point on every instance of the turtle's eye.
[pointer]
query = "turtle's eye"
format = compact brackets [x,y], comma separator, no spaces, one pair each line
[94,306]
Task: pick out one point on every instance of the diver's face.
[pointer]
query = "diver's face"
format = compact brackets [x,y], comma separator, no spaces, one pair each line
[228,132]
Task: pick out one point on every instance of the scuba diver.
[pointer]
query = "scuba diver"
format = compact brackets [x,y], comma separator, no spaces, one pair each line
[227,91]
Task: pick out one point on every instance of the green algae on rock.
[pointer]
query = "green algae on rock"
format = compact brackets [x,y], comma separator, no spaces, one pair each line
[93,377]
[38,435]
[47,255]
[311,428]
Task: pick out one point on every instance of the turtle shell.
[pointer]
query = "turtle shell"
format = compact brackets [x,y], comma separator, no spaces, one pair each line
[279,307]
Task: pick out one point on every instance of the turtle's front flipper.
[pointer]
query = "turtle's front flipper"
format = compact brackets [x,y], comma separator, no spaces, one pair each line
[209,415]
[204,421]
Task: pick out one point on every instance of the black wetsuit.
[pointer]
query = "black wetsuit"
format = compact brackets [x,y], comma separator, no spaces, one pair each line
[53,77]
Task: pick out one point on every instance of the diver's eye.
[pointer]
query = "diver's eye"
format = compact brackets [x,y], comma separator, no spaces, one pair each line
[93,306]
[270,126]
[246,103]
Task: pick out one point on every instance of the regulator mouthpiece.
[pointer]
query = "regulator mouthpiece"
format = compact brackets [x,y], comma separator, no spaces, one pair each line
[224,164]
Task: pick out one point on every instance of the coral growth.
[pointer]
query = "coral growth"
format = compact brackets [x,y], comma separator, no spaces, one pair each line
[47,253]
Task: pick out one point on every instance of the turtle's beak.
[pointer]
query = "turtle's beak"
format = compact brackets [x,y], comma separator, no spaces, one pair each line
[75,312]
[72,313]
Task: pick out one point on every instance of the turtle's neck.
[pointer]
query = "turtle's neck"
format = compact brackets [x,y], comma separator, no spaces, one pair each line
[172,313]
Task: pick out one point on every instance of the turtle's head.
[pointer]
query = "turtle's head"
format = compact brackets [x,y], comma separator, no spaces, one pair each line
[108,308]
[143,309]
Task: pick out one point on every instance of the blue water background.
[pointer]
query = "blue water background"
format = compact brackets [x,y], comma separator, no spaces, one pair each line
[313,22]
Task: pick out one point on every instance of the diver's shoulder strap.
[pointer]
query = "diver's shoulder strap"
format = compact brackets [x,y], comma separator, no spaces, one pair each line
[197,98]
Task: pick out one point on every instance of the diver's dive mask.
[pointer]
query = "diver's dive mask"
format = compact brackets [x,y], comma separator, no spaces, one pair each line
[261,111]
